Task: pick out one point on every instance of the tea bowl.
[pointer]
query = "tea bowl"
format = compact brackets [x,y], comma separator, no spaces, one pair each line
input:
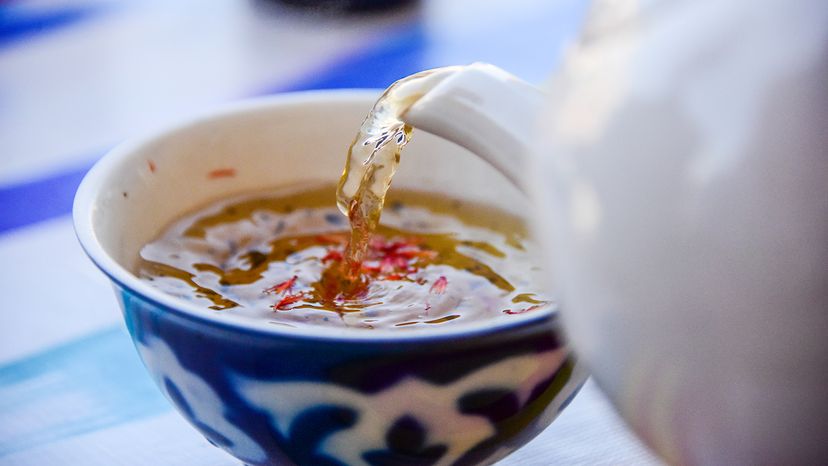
[271,395]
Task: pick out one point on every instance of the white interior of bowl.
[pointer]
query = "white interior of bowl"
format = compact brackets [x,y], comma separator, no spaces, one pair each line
[294,139]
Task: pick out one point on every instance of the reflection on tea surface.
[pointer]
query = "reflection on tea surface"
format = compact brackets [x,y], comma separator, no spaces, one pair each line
[281,258]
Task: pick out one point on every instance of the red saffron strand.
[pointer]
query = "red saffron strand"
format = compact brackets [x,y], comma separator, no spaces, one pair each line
[287,301]
[332,255]
[222,173]
[439,286]
[282,287]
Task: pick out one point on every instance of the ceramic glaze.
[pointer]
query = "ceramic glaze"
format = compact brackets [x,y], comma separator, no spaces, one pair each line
[438,401]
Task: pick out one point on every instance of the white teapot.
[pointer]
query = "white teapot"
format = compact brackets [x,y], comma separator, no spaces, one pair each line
[679,167]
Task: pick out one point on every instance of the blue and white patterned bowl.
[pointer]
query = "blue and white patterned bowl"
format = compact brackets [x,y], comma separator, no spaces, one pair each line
[273,396]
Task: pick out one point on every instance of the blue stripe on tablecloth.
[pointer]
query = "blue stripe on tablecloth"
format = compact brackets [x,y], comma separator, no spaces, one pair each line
[29,202]
[83,386]
[17,24]
[397,55]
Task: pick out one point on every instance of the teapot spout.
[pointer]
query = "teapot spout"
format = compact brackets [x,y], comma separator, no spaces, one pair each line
[486,110]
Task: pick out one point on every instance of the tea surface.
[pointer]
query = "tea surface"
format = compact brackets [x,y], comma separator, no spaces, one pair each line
[278,258]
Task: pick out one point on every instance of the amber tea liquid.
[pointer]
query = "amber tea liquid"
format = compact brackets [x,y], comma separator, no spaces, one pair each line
[277,258]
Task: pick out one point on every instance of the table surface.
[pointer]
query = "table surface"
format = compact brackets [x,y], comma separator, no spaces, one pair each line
[77,77]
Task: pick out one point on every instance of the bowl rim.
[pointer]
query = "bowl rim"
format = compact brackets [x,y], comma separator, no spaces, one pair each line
[83,220]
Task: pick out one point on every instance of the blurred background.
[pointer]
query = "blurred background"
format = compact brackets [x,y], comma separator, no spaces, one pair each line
[78,77]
